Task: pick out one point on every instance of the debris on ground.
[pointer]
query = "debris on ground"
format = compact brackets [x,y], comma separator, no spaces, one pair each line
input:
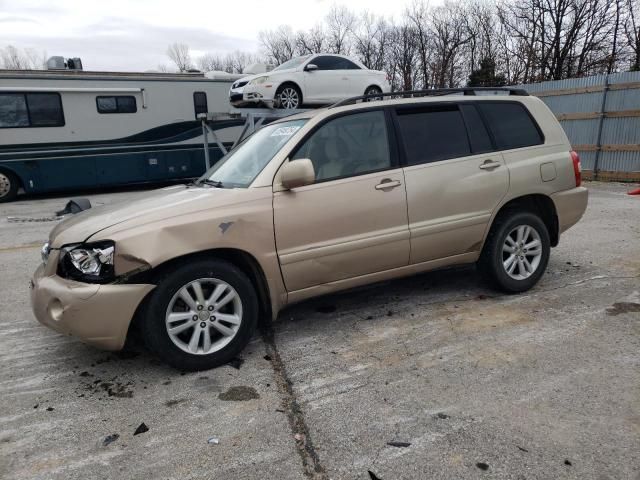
[50,409]
[482,466]
[267,358]
[399,444]
[141,429]
[239,394]
[623,307]
[373,476]
[110,439]
[567,462]
[299,437]
[213,440]
[522,449]
[441,415]
[236,363]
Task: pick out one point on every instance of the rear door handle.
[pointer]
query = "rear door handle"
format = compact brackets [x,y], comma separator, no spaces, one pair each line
[489,165]
[387,183]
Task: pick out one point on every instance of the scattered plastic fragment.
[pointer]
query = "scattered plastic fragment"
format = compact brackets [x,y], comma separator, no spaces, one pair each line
[267,358]
[213,440]
[141,429]
[399,444]
[522,449]
[442,415]
[482,466]
[49,409]
[299,437]
[567,462]
[373,476]
[110,439]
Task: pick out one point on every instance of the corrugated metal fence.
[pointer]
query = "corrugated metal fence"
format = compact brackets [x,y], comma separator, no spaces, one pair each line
[601,116]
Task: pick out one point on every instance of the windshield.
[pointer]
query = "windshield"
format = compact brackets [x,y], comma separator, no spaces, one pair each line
[243,164]
[293,63]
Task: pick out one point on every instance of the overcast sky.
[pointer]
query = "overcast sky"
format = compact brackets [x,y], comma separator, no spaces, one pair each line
[133,35]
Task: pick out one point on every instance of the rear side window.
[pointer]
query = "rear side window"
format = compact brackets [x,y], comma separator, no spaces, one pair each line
[200,103]
[116,104]
[30,110]
[432,134]
[510,124]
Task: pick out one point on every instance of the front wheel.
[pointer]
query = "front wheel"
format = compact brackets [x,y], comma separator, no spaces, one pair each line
[516,252]
[373,90]
[288,97]
[201,315]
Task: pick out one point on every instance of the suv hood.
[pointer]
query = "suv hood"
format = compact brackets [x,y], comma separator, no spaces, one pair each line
[153,206]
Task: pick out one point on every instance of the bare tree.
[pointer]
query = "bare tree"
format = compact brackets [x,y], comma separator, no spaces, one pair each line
[13,58]
[179,53]
[279,45]
[632,32]
[340,22]
[370,40]
[313,41]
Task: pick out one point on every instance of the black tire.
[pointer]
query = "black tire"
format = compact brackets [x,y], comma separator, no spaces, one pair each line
[491,259]
[154,330]
[9,185]
[373,90]
[279,103]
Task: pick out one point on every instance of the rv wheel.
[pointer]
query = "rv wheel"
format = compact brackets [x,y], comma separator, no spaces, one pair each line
[8,186]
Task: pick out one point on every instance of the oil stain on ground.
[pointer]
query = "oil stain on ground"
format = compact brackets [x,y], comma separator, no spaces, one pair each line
[623,307]
[239,394]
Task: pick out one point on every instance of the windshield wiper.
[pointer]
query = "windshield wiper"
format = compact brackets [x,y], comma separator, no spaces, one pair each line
[213,183]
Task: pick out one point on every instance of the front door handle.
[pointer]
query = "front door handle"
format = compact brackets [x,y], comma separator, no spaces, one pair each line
[489,165]
[387,183]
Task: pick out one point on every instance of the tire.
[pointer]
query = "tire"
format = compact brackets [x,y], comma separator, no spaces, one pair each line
[9,185]
[497,262]
[288,96]
[373,90]
[226,338]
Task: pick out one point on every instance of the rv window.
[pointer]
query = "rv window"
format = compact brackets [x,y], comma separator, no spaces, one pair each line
[200,102]
[30,110]
[119,104]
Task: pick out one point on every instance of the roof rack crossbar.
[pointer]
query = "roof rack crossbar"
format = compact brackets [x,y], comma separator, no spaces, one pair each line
[436,92]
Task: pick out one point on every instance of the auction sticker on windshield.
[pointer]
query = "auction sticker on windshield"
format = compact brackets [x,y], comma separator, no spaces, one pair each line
[285,131]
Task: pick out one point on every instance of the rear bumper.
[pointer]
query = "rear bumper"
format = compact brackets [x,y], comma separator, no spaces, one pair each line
[570,206]
[98,315]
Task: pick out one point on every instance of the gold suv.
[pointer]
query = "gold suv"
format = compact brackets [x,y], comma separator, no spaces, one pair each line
[314,203]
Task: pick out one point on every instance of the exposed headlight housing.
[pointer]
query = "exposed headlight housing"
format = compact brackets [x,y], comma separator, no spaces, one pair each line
[88,262]
[259,80]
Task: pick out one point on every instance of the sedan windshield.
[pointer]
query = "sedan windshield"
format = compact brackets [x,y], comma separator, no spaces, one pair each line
[293,63]
[243,164]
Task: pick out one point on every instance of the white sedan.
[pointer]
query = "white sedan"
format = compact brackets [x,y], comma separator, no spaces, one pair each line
[317,79]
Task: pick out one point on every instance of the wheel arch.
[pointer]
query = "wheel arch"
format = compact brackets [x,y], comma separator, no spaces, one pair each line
[537,203]
[374,85]
[242,259]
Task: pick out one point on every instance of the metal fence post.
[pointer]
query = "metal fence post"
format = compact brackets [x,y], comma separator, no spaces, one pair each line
[600,124]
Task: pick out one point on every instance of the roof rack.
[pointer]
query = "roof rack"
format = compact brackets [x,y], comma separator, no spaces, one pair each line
[436,92]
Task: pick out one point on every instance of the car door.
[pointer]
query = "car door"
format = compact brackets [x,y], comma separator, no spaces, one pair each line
[327,82]
[454,178]
[353,220]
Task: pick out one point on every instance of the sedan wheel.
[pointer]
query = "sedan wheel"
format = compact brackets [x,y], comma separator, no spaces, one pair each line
[204,316]
[521,252]
[288,97]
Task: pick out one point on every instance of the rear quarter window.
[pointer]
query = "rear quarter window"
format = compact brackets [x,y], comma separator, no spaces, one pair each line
[511,125]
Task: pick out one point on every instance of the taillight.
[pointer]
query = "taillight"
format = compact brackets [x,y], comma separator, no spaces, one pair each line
[577,167]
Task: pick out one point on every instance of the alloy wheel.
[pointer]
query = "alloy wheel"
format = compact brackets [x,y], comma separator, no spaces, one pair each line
[521,252]
[289,98]
[204,316]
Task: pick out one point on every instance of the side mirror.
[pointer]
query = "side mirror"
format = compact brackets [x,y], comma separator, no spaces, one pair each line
[297,173]
[310,67]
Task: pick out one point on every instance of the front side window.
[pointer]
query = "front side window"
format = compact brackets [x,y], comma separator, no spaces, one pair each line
[326,62]
[510,124]
[200,103]
[116,104]
[30,110]
[243,164]
[431,134]
[349,145]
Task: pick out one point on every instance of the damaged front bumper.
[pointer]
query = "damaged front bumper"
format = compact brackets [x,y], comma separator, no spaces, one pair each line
[98,315]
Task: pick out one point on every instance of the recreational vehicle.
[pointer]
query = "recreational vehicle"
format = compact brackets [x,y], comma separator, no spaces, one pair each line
[68,129]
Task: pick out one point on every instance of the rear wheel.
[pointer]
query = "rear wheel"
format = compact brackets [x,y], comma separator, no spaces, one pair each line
[516,252]
[288,96]
[201,315]
[9,185]
[373,90]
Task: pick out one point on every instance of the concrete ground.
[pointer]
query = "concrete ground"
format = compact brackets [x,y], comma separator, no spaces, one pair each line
[429,377]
